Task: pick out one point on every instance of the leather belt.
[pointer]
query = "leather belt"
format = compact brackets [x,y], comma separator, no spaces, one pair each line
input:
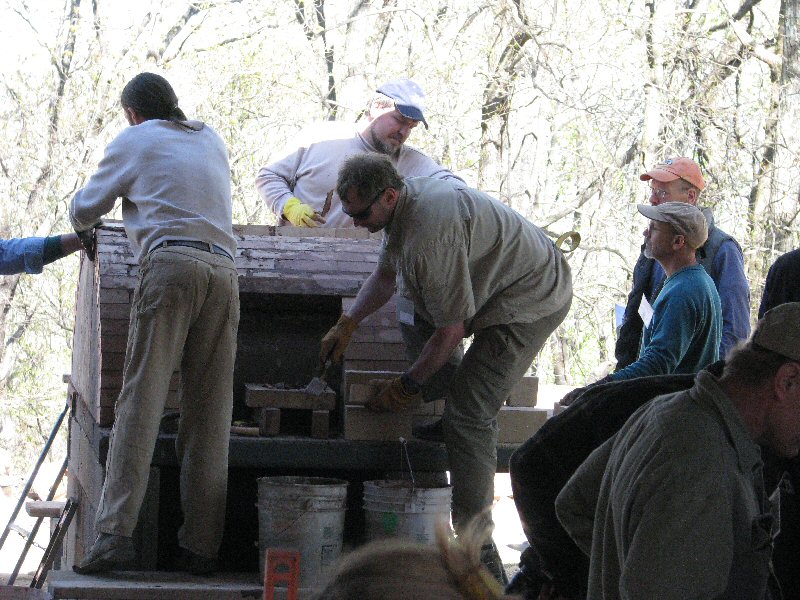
[212,248]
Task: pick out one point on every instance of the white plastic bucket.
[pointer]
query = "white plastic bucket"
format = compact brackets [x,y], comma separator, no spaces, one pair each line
[304,514]
[398,509]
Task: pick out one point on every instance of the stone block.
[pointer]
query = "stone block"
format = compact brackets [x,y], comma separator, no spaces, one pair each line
[525,392]
[362,424]
[518,423]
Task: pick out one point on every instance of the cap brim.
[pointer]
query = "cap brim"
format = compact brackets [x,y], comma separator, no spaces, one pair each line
[659,175]
[411,112]
[651,212]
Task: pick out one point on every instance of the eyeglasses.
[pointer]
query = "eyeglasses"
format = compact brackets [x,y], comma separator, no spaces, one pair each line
[364,214]
[660,194]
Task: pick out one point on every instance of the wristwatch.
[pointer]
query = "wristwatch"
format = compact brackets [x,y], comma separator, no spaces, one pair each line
[410,386]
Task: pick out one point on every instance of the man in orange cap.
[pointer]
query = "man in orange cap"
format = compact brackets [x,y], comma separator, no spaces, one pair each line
[680,180]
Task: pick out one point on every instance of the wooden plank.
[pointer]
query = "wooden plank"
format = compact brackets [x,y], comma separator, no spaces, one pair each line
[155,585]
[44,508]
[266,395]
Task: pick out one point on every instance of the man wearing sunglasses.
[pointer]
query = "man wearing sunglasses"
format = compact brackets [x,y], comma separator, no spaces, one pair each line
[680,180]
[471,266]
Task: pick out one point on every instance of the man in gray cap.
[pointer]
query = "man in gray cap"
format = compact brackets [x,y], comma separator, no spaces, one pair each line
[300,186]
[674,506]
[683,327]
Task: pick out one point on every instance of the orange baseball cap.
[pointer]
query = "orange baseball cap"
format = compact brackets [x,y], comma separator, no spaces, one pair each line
[676,168]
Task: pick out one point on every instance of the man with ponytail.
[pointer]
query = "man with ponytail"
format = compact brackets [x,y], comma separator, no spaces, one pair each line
[173,177]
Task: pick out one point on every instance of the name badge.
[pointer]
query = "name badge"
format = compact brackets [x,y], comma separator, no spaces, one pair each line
[645,311]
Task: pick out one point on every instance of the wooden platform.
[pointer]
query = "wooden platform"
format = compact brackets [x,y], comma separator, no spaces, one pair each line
[159,585]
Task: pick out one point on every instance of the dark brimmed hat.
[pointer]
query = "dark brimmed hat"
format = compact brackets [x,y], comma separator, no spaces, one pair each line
[779,330]
[409,99]
[686,219]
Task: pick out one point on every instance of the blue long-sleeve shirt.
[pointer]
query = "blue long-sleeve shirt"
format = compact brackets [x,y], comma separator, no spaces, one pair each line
[724,262]
[29,255]
[21,255]
[686,328]
[734,294]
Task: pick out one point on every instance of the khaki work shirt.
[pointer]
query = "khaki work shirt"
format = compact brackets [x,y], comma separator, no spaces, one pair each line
[465,257]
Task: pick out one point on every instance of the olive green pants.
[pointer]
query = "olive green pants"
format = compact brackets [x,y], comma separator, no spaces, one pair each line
[494,363]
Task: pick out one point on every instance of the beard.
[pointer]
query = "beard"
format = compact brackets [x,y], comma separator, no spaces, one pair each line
[383,147]
[648,253]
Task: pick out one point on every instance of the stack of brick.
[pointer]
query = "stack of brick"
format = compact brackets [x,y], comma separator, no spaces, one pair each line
[517,420]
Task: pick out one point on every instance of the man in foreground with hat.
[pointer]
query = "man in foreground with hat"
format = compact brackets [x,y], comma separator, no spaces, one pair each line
[680,180]
[674,505]
[300,186]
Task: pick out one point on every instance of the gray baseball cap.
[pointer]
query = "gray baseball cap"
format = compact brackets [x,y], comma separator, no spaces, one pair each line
[686,219]
[779,330]
[409,99]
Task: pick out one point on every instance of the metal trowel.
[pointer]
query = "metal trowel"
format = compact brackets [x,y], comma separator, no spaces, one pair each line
[318,385]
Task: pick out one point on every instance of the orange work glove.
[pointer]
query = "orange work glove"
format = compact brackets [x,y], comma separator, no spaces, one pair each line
[335,341]
[394,396]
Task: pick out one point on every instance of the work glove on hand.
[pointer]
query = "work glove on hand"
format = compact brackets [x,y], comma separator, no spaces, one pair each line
[301,215]
[89,240]
[393,396]
[335,341]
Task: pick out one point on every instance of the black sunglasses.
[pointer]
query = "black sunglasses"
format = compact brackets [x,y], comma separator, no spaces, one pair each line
[364,214]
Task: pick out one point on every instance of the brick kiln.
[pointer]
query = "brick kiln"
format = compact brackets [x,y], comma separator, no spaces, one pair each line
[294,284]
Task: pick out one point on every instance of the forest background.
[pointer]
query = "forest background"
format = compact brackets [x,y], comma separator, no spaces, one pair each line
[553,106]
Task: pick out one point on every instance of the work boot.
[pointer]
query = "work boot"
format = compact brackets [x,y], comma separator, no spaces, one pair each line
[197,564]
[490,558]
[431,432]
[107,552]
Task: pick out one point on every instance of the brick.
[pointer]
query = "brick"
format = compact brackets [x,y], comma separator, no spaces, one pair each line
[359,393]
[525,392]
[360,376]
[372,350]
[362,424]
[269,421]
[518,423]
[268,396]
